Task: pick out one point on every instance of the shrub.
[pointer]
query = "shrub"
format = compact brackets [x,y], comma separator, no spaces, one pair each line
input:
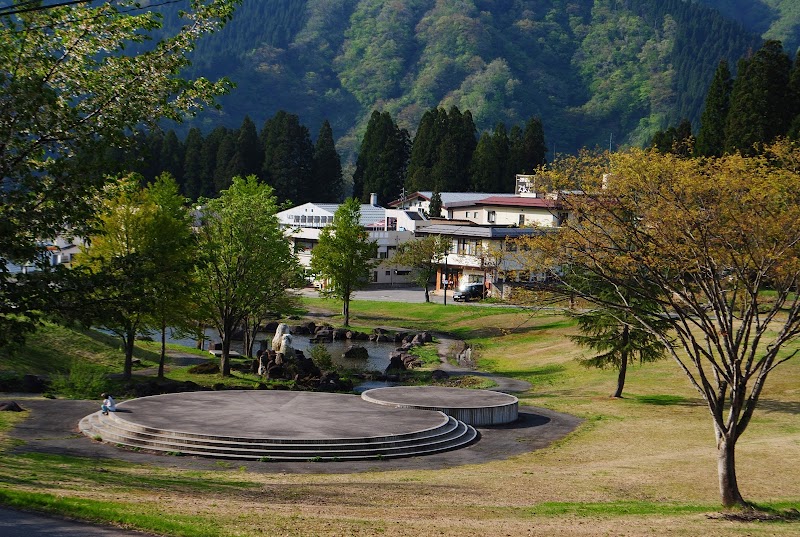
[82,381]
[322,358]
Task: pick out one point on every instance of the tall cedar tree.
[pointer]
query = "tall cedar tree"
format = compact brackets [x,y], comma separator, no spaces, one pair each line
[502,150]
[288,158]
[171,157]
[225,152]
[442,151]
[711,135]
[759,99]
[534,147]
[344,255]
[457,148]
[794,96]
[382,159]
[193,178]
[484,169]
[327,167]
[248,154]
[209,160]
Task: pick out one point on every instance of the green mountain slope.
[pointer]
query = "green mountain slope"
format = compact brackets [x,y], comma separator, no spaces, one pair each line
[772,19]
[594,71]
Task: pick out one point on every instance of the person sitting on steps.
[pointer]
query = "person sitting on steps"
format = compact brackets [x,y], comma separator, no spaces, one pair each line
[108,404]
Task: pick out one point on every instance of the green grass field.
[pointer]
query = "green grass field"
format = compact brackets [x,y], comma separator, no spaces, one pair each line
[641,465]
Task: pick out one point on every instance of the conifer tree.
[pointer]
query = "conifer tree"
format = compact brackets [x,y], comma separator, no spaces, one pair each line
[423,151]
[794,96]
[435,205]
[192,186]
[172,156]
[534,146]
[711,136]
[327,166]
[516,159]
[500,146]
[758,100]
[382,159]
[484,170]
[225,152]
[211,145]
[248,153]
[442,151]
[288,157]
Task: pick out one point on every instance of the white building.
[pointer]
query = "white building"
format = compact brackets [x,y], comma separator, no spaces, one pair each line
[387,227]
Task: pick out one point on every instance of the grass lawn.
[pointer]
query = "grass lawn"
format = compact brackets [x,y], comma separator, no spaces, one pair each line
[642,465]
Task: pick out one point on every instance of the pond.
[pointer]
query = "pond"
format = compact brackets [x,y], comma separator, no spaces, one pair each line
[378,352]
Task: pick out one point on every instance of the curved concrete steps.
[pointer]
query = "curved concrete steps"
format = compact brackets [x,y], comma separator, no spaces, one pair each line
[449,434]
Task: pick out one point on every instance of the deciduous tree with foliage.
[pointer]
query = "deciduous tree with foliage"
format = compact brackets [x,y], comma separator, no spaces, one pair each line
[74,80]
[709,238]
[242,253]
[173,248]
[423,255]
[123,264]
[344,255]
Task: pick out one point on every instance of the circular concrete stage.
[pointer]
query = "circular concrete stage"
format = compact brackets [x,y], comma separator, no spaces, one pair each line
[473,407]
[276,425]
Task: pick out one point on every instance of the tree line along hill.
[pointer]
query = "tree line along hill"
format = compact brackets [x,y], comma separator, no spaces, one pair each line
[597,72]
[446,154]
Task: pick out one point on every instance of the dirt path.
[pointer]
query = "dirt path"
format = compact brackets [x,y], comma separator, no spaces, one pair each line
[504,384]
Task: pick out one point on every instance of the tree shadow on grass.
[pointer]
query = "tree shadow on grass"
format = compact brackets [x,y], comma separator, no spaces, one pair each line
[666,400]
[788,407]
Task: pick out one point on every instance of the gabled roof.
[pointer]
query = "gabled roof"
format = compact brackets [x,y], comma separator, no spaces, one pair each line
[484,232]
[510,201]
[448,197]
[370,214]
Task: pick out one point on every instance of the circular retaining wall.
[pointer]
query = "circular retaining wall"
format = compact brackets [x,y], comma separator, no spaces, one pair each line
[473,407]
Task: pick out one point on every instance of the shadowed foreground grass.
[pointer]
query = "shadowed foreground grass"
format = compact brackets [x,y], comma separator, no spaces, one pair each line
[642,465]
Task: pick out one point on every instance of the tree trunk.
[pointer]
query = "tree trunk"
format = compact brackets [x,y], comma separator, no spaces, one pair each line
[129,339]
[726,467]
[225,360]
[427,295]
[163,350]
[623,365]
[346,311]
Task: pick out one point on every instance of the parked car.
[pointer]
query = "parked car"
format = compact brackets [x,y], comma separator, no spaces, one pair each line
[469,292]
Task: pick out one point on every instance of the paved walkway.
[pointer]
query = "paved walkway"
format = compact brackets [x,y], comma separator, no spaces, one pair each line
[24,524]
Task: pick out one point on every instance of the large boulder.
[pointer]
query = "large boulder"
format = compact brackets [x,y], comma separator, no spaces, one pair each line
[331,382]
[325,335]
[356,352]
[10,406]
[282,330]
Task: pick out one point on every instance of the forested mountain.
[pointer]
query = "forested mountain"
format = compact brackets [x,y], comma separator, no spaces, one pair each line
[772,19]
[595,71]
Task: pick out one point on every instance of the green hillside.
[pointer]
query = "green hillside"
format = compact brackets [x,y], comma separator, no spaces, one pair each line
[772,19]
[595,71]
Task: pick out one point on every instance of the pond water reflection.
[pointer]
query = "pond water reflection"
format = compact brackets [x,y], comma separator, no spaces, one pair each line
[378,352]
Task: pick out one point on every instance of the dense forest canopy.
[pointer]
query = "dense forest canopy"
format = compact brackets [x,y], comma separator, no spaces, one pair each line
[594,71]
